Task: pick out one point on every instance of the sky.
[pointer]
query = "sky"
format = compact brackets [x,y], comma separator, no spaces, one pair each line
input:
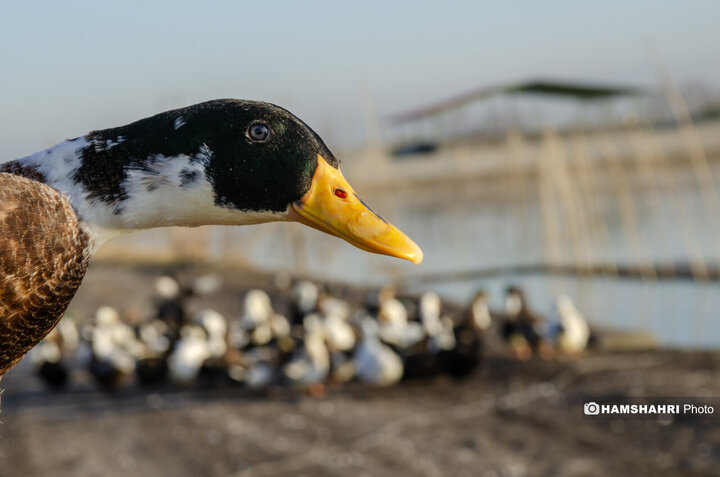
[70,67]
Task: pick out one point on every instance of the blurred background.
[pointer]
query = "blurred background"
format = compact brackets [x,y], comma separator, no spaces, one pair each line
[561,149]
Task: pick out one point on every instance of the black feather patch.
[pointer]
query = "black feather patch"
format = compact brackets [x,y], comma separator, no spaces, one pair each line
[188,176]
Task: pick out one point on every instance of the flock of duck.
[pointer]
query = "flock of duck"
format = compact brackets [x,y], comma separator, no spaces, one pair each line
[303,337]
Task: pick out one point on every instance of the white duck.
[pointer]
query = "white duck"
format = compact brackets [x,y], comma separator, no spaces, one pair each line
[216,327]
[395,329]
[376,363]
[189,354]
[114,348]
[439,329]
[480,312]
[339,333]
[574,333]
[310,362]
[304,299]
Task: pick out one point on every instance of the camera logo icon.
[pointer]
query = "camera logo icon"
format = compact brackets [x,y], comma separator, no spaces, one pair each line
[591,409]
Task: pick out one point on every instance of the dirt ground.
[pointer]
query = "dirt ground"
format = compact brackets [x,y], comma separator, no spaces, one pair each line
[509,418]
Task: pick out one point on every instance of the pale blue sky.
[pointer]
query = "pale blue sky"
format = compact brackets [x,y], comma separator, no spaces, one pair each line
[69,67]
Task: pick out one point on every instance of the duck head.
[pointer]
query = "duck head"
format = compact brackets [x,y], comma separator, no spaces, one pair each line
[229,162]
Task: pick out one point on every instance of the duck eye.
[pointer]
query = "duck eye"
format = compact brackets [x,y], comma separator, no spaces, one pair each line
[258,132]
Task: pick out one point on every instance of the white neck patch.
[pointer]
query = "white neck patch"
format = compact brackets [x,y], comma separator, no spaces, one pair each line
[165,191]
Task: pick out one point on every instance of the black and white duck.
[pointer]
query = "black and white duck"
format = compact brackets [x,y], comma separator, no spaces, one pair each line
[222,162]
[310,362]
[304,296]
[469,333]
[340,337]
[521,326]
[156,341]
[170,304]
[115,349]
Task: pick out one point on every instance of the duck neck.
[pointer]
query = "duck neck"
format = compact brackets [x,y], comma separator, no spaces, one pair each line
[59,167]
[113,192]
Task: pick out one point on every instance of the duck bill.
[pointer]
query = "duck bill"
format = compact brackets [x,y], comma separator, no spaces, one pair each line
[332,206]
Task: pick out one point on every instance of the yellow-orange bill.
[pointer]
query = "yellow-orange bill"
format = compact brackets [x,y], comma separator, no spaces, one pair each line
[332,206]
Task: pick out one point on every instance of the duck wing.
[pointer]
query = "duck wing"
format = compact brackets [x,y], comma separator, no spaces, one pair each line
[44,254]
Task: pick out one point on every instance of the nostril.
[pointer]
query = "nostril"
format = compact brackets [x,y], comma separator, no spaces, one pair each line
[341,193]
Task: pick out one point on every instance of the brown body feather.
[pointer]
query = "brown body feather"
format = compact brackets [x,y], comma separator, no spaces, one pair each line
[44,254]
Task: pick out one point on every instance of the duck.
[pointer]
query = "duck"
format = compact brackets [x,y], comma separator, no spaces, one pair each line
[468,332]
[256,318]
[520,325]
[114,350]
[221,162]
[454,343]
[335,314]
[213,370]
[170,304]
[376,363]
[478,312]
[340,337]
[571,333]
[304,296]
[309,364]
[438,327]
[394,327]
[260,367]
[156,343]
[172,297]
[189,354]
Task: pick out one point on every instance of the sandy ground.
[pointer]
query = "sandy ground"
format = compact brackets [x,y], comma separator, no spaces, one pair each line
[508,419]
